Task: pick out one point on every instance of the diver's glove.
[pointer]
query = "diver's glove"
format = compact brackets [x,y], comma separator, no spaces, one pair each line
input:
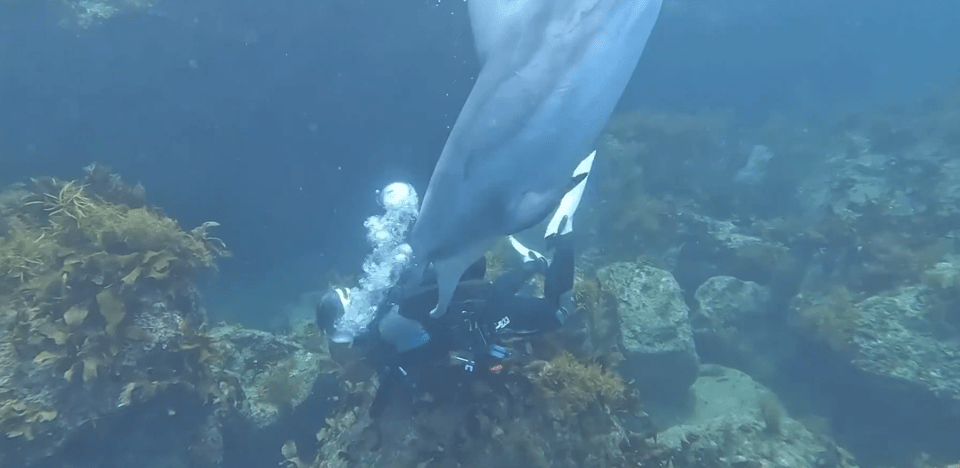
[562,221]
[331,307]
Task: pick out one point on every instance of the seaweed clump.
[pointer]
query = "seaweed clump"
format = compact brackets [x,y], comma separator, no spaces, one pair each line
[98,309]
[561,412]
[649,190]
[278,388]
[572,386]
[600,320]
[829,319]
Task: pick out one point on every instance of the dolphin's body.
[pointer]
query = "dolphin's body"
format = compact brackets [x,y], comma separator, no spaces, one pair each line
[552,73]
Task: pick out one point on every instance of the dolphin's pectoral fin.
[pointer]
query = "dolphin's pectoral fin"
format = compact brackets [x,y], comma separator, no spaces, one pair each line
[450,270]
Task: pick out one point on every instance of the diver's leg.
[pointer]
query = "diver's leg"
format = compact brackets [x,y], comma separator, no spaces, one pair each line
[524,316]
[560,274]
[389,386]
[559,236]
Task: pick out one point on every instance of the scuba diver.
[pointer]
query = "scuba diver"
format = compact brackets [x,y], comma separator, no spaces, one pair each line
[411,349]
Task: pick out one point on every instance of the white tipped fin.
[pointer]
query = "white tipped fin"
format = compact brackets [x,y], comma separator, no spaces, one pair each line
[571,200]
[528,254]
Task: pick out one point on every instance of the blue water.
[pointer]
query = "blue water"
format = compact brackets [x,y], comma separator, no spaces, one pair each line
[280,119]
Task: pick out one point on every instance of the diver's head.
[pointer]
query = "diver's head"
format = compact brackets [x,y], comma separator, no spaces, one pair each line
[331,308]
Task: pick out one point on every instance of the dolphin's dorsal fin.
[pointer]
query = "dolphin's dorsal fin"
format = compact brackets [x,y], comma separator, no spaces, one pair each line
[493,21]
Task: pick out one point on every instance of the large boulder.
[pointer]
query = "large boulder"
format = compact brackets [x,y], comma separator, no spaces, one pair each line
[655,334]
[730,320]
[101,328]
[277,373]
[892,360]
[715,247]
[901,343]
[738,423]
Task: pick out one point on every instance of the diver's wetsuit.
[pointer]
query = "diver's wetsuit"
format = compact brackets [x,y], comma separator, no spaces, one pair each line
[466,340]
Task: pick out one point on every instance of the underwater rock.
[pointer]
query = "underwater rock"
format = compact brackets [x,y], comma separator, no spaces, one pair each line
[900,342]
[562,413]
[655,334]
[892,361]
[725,301]
[716,247]
[277,373]
[947,188]
[736,422]
[904,341]
[756,168]
[866,183]
[98,317]
[730,319]
[86,14]
[172,429]
[868,188]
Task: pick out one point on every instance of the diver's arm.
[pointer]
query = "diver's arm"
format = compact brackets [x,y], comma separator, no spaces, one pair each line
[510,282]
[511,314]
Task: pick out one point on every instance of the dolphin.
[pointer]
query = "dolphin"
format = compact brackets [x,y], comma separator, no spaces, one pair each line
[551,74]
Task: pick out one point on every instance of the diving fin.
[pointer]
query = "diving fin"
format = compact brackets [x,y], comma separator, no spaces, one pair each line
[562,221]
[528,254]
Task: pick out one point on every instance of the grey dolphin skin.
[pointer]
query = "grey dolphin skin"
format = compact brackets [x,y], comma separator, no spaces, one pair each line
[552,73]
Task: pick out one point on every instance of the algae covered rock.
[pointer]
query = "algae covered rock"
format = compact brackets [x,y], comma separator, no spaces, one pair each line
[901,340]
[902,346]
[736,422]
[730,318]
[655,334]
[562,413]
[98,311]
[277,373]
[725,301]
